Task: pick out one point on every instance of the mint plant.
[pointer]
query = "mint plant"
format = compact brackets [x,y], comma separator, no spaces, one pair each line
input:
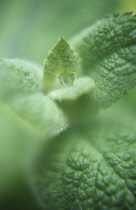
[78,152]
[92,164]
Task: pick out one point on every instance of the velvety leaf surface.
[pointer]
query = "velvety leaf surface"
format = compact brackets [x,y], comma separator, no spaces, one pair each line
[108,51]
[26,116]
[20,87]
[19,77]
[40,114]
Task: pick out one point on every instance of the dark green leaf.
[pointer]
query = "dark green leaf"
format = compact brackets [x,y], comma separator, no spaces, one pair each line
[81,172]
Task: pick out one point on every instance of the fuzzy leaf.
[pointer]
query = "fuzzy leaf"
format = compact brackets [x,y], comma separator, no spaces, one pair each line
[95,172]
[108,52]
[18,77]
[40,114]
[62,62]
[25,124]
[26,117]
[20,81]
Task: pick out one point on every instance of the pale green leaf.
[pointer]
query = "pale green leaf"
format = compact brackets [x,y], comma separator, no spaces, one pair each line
[27,117]
[21,82]
[24,124]
[108,52]
[19,77]
[40,114]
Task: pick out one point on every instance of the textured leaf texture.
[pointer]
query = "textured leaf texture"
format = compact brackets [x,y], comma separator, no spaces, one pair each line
[19,77]
[62,63]
[95,172]
[108,52]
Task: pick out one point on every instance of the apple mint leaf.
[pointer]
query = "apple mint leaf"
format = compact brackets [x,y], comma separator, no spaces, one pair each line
[60,70]
[24,124]
[77,171]
[62,63]
[108,53]
[27,117]
[40,114]
[18,77]
[20,86]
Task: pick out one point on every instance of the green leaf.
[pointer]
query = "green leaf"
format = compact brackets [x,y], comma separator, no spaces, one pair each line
[62,62]
[19,77]
[83,171]
[25,124]
[20,86]
[108,52]
[40,114]
[27,118]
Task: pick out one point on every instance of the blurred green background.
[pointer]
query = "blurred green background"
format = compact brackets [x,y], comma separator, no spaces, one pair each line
[28,30]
